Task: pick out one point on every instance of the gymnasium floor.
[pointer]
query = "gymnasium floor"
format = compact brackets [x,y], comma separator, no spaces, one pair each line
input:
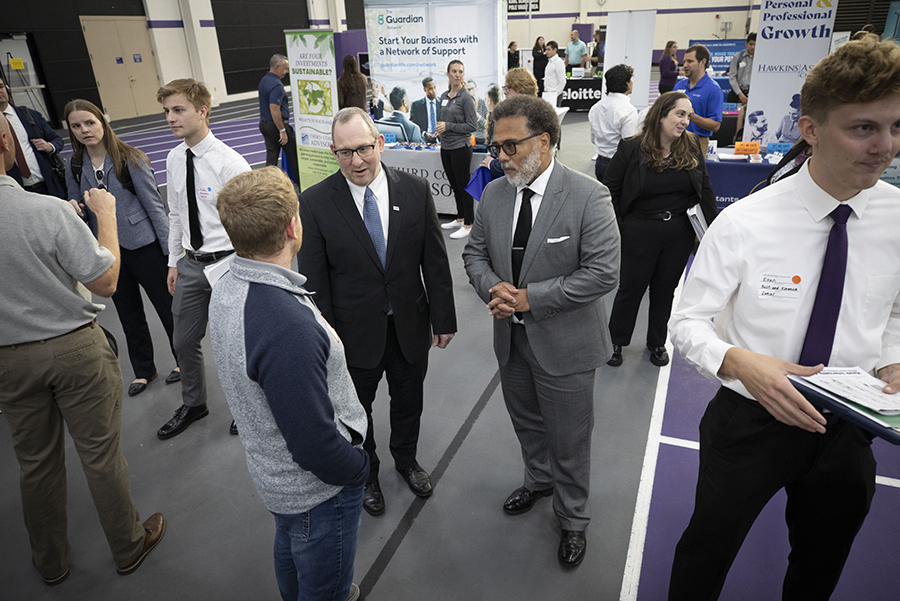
[457,545]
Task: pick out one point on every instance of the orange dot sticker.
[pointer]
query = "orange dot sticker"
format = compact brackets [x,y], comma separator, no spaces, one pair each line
[796,279]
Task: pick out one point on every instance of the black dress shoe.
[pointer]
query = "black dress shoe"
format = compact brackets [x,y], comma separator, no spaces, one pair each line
[572,546]
[616,359]
[184,415]
[523,499]
[174,376]
[137,388]
[233,428]
[658,356]
[373,500]
[418,479]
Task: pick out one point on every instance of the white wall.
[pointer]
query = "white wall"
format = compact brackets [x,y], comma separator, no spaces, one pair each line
[681,27]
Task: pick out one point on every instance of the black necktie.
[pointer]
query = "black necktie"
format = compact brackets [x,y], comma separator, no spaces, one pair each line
[193,211]
[520,237]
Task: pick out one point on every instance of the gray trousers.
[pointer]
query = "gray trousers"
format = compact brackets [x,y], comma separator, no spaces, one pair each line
[553,417]
[190,310]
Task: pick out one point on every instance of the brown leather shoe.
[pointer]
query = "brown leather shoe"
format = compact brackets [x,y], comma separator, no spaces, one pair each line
[155,528]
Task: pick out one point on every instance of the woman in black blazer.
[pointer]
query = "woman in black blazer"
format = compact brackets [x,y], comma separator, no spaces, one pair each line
[654,178]
[539,54]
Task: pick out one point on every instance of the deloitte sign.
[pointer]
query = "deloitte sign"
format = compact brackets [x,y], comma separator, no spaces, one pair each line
[581,94]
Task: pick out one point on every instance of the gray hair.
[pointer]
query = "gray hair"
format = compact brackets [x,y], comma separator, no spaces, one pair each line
[347,114]
[276,60]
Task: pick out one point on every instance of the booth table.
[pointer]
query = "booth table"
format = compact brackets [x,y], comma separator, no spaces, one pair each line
[733,180]
[427,163]
[581,94]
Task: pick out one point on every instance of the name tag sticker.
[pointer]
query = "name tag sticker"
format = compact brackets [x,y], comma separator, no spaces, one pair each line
[204,193]
[445,102]
[779,287]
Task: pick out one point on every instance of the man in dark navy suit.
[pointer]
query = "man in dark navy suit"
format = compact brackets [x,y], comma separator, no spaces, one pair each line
[426,112]
[400,103]
[35,141]
[374,255]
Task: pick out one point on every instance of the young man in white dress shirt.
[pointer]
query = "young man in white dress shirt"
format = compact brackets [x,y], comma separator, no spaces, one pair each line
[613,118]
[555,75]
[197,169]
[759,434]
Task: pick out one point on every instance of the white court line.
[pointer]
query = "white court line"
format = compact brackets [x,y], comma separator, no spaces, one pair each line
[632,575]
[680,442]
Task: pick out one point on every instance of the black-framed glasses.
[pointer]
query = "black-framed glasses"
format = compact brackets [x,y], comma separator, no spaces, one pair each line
[99,175]
[509,147]
[364,152]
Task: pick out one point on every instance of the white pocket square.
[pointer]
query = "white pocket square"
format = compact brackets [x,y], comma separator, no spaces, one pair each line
[555,240]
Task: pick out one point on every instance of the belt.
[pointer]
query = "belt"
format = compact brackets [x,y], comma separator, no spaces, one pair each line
[664,216]
[600,156]
[85,326]
[38,187]
[208,257]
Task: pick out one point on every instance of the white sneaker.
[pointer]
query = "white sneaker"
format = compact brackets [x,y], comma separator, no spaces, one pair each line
[451,225]
[462,232]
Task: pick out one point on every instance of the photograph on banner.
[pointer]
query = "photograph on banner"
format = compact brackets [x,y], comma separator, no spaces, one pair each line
[892,24]
[792,38]
[314,96]
[411,41]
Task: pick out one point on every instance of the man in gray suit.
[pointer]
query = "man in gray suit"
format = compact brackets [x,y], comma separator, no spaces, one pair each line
[543,251]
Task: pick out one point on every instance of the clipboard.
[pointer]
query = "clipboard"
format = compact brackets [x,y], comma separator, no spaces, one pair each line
[883,426]
[698,220]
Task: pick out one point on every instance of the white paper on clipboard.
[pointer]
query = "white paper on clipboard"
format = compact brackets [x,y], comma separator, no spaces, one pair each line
[215,271]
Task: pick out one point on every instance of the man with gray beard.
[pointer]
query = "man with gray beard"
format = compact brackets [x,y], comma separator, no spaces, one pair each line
[543,251]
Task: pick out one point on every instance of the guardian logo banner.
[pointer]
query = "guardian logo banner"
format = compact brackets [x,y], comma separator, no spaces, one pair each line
[314,95]
[793,36]
[410,41]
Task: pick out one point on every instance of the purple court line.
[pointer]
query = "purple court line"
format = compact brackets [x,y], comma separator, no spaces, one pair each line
[759,568]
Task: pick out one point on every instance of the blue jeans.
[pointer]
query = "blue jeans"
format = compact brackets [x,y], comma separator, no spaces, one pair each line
[315,550]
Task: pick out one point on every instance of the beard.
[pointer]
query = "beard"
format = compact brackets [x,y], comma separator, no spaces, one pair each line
[526,171]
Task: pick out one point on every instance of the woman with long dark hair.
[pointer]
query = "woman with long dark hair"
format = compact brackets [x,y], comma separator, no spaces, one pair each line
[538,53]
[102,160]
[459,121]
[351,85]
[668,67]
[654,178]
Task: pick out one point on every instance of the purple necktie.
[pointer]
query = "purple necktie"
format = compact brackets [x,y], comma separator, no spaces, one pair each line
[823,321]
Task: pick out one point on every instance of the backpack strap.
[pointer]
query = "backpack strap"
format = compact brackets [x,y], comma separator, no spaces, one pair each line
[76,164]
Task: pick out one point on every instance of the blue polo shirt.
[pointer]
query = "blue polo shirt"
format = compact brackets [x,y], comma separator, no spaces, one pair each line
[707,99]
[271,91]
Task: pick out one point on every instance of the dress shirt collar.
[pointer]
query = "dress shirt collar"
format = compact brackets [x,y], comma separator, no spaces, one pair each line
[201,147]
[292,276]
[820,203]
[378,184]
[539,185]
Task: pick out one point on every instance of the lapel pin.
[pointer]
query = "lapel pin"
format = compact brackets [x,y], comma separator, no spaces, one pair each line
[396,208]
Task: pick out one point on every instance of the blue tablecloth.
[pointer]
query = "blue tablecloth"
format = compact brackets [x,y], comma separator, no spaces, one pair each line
[732,181]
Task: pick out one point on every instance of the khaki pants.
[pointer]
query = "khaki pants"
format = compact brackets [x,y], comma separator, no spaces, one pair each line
[704,144]
[74,380]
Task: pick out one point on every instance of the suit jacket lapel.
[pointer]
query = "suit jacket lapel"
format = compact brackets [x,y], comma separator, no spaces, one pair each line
[551,203]
[343,200]
[397,197]
[505,210]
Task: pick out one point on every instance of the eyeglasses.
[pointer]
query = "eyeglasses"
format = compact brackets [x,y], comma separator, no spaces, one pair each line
[509,148]
[364,152]
[99,175]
